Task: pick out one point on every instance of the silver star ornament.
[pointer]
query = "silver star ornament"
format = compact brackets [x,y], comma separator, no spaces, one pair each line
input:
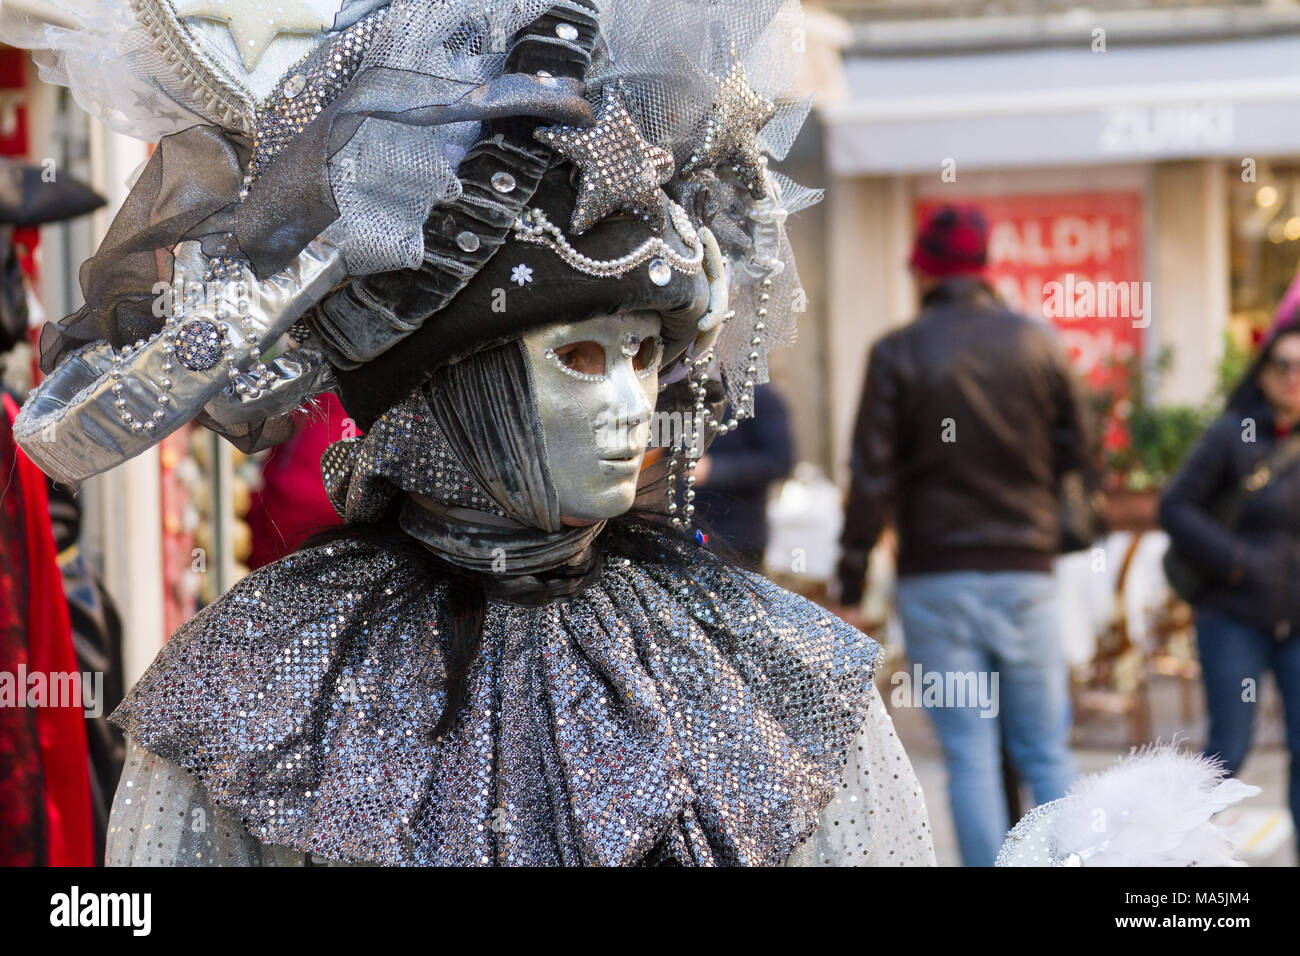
[620,169]
[731,131]
[255,24]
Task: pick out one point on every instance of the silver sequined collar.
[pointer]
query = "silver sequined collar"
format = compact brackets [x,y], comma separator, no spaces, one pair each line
[677,710]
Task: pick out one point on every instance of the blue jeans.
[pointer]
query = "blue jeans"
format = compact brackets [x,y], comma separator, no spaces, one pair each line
[1006,626]
[1232,653]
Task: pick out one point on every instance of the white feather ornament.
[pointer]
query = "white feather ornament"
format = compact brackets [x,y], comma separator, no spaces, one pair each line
[1153,808]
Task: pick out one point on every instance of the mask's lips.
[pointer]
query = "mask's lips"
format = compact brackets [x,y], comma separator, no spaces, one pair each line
[526,286]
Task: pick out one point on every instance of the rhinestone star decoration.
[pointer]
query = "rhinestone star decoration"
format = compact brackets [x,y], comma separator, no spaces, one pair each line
[255,24]
[621,169]
[731,131]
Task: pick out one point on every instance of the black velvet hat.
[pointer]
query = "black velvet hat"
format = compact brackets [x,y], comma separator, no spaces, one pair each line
[524,286]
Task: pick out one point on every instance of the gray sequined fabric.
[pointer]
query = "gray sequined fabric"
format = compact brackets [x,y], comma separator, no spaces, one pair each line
[404,451]
[680,711]
[162,816]
[174,823]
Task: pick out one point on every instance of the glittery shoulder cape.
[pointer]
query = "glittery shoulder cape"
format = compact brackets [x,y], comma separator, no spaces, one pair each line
[676,711]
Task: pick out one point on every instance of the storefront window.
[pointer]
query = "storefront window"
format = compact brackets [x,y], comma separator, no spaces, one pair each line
[1265,248]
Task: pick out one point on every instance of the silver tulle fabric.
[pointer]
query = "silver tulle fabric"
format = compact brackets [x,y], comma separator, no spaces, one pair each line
[681,713]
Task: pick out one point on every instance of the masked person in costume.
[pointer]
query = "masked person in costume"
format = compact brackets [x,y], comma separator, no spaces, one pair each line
[512,237]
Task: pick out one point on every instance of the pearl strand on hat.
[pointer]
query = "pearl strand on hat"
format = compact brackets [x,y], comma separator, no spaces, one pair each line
[535,227]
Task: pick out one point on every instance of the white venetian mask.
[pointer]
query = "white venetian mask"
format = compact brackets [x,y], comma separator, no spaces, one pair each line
[596,383]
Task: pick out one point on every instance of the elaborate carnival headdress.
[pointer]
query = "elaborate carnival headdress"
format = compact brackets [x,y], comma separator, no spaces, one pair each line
[396,185]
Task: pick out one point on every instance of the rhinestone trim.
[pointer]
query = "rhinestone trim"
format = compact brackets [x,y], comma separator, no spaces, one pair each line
[198,345]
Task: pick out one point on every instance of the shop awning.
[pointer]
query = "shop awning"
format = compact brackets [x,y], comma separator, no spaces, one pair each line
[1058,106]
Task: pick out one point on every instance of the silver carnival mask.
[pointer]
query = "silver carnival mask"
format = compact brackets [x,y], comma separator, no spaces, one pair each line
[596,383]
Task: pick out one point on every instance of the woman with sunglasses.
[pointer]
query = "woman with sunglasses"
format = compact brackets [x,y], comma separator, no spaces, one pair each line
[1247,464]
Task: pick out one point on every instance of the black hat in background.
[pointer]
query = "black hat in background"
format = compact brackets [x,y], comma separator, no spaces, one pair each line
[30,197]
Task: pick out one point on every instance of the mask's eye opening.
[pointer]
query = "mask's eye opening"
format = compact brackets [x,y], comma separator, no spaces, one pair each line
[585,358]
[648,355]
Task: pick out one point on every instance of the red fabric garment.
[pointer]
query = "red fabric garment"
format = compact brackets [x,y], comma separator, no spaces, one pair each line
[61,730]
[292,505]
[22,791]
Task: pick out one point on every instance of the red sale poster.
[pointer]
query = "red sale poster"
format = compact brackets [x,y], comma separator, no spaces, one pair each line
[1075,260]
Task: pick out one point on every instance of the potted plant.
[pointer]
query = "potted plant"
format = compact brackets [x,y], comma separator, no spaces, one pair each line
[1143,442]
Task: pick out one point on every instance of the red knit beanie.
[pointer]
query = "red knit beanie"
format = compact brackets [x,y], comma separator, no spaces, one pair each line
[953,241]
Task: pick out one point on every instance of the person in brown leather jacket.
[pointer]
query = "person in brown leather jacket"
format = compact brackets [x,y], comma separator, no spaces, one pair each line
[969,418]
